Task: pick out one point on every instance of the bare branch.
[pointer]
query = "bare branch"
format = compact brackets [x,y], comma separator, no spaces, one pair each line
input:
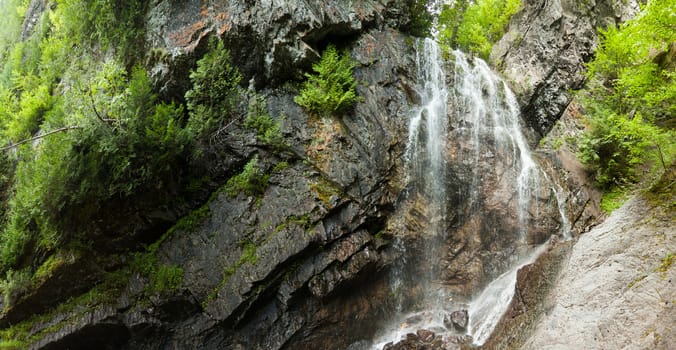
[65,128]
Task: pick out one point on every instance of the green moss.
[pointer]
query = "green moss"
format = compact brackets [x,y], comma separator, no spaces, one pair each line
[303,221]
[162,278]
[280,167]
[187,223]
[666,263]
[23,334]
[248,255]
[252,180]
[613,199]
[636,280]
[324,190]
[12,345]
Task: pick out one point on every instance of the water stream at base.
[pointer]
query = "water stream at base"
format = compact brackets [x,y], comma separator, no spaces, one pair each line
[485,105]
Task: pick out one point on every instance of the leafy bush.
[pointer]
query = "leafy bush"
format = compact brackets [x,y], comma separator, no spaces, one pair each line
[421,19]
[474,27]
[630,99]
[331,90]
[135,145]
[267,129]
[616,145]
[15,284]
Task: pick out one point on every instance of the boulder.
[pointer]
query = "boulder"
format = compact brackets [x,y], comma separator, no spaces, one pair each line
[458,320]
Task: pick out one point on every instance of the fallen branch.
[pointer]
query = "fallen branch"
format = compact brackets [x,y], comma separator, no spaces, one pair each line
[65,128]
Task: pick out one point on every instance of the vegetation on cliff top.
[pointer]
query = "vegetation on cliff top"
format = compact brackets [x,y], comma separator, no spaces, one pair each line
[474,26]
[630,99]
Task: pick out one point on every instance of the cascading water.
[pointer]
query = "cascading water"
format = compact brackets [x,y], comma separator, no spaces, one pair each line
[485,103]
[488,117]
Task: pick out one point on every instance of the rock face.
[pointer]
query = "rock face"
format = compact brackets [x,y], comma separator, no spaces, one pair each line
[545,49]
[617,288]
[295,267]
[270,41]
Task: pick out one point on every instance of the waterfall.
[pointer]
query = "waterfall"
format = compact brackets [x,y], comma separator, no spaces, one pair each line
[486,122]
[484,102]
[489,110]
[427,133]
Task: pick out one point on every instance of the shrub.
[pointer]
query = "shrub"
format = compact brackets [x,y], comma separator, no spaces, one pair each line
[70,174]
[267,129]
[616,145]
[14,285]
[420,22]
[331,90]
[630,99]
[214,90]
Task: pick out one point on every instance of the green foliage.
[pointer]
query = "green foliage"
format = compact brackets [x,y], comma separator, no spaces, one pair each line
[267,129]
[631,98]
[615,146]
[474,26]
[112,24]
[331,90]
[421,19]
[215,88]
[31,111]
[613,199]
[63,180]
[252,180]
[14,285]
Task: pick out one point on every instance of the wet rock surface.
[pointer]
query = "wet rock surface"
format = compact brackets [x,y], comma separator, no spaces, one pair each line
[457,320]
[423,339]
[270,41]
[304,266]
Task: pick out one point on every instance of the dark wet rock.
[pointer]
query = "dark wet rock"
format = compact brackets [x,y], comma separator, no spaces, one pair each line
[425,339]
[457,319]
[425,335]
[543,54]
[579,196]
[268,41]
